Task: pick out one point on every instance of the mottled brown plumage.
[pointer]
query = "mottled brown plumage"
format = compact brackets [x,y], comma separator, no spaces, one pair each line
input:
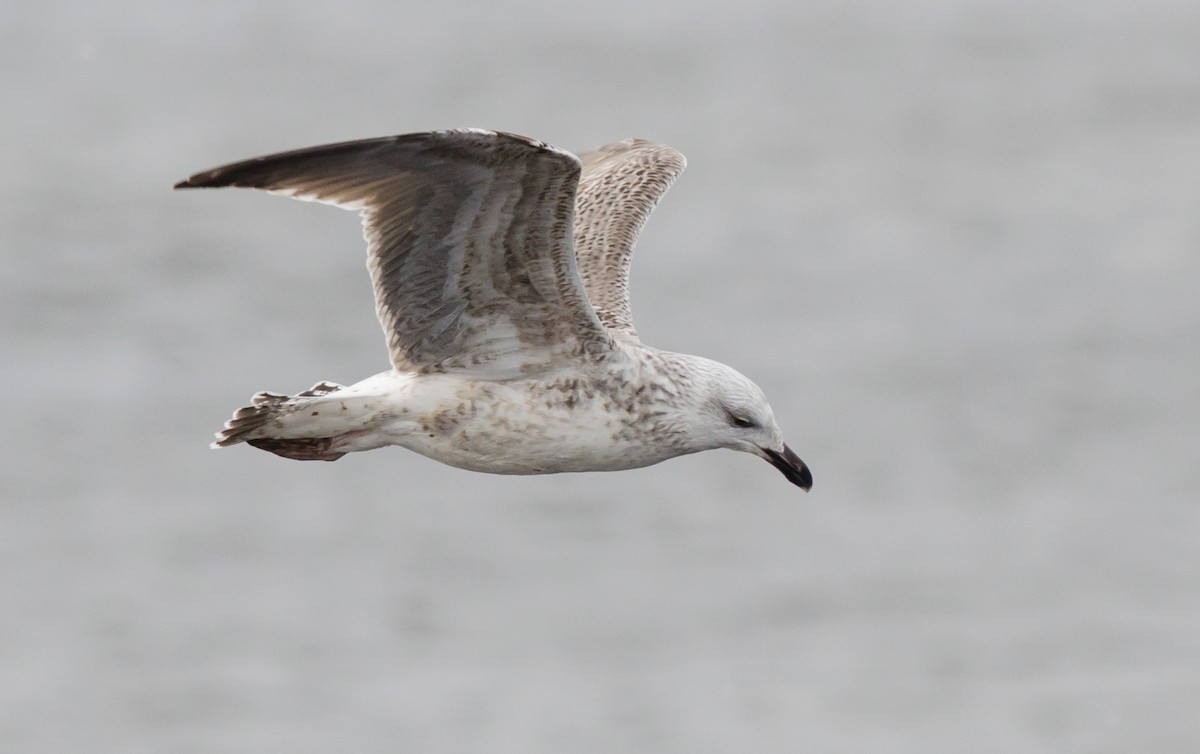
[621,184]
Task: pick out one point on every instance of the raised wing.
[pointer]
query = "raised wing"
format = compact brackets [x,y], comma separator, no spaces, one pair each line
[469,244]
[621,184]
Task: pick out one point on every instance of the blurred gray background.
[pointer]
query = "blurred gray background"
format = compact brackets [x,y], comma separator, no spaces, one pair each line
[956,242]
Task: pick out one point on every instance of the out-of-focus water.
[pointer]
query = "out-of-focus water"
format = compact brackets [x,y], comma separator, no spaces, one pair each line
[958,244]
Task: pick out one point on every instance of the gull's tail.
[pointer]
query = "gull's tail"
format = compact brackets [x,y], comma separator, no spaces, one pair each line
[304,426]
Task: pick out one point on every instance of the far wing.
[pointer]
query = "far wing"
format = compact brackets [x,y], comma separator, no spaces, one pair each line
[621,185]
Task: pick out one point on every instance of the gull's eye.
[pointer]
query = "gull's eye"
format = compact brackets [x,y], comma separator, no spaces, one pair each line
[742,421]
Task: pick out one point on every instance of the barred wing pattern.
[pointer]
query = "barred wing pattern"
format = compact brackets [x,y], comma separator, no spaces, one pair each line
[621,184]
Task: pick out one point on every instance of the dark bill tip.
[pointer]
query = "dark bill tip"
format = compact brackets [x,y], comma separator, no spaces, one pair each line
[792,467]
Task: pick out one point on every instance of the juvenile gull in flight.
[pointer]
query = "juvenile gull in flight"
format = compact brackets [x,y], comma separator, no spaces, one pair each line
[501,268]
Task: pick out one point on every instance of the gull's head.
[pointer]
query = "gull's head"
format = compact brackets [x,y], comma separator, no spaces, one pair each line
[734,414]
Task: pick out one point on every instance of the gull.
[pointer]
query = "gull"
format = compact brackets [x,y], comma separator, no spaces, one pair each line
[500,267]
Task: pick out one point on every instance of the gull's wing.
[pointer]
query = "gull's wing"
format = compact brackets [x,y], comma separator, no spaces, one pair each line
[621,184]
[469,244]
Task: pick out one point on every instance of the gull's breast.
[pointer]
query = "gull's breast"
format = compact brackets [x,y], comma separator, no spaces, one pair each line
[544,427]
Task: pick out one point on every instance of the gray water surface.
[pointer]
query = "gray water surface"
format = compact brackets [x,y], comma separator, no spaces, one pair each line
[957,243]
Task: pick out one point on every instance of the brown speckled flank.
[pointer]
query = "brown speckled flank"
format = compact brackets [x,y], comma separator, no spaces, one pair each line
[501,269]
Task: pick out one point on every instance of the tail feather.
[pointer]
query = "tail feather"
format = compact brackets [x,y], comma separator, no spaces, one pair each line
[254,424]
[302,449]
[321,388]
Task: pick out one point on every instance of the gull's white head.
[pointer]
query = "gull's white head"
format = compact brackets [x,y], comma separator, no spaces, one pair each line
[732,412]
